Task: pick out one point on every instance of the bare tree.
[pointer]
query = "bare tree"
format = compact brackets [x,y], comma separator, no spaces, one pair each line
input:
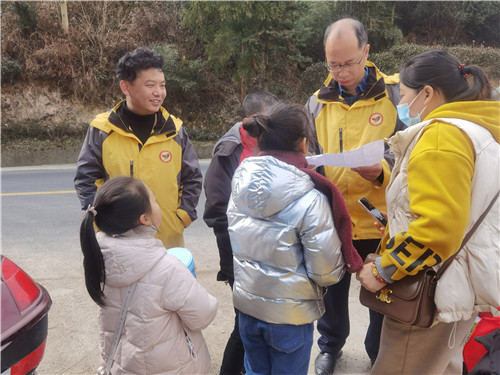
[64,17]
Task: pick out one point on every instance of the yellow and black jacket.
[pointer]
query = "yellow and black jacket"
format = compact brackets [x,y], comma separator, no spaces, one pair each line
[166,162]
[445,175]
[340,127]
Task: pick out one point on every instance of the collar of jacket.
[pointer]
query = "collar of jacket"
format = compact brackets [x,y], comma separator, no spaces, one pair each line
[250,146]
[228,142]
[330,91]
[165,124]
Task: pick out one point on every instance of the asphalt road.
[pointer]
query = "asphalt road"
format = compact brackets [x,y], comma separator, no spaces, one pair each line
[40,224]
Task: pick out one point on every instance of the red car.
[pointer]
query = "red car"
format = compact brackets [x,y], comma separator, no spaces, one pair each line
[25,305]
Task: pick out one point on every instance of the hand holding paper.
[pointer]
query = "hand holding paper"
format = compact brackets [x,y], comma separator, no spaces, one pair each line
[370,173]
[367,155]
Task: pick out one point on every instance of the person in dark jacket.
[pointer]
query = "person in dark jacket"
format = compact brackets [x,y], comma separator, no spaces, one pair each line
[229,150]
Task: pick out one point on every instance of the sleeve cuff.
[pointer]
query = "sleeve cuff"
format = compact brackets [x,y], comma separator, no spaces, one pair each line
[184,217]
[380,177]
[383,178]
[385,273]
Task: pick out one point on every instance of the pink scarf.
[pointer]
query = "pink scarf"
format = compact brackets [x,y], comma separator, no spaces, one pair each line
[341,217]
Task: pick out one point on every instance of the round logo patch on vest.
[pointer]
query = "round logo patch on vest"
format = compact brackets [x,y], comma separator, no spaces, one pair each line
[376,119]
[165,156]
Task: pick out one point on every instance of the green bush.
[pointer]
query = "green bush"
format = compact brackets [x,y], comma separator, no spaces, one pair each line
[391,60]
[312,79]
[27,19]
[11,69]
[204,135]
[384,37]
[486,57]
[182,76]
[56,133]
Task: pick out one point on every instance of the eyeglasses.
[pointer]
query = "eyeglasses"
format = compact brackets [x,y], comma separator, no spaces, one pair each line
[347,67]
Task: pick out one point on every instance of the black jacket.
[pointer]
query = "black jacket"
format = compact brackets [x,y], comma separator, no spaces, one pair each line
[225,159]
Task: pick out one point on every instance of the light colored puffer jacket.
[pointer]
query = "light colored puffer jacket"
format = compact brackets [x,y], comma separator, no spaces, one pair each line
[168,307]
[285,245]
[472,282]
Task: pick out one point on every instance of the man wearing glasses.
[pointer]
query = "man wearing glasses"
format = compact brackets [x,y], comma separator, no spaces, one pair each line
[356,105]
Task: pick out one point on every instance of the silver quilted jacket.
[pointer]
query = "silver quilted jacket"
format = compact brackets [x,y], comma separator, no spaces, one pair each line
[285,246]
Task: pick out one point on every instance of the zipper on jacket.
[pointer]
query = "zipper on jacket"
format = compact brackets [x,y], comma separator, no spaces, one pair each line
[340,140]
[192,353]
[131,168]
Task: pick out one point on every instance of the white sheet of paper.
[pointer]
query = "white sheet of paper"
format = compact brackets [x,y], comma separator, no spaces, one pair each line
[364,156]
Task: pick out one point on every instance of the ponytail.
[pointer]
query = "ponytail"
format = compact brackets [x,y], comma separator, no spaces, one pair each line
[256,125]
[93,262]
[478,86]
[118,205]
[443,72]
[281,127]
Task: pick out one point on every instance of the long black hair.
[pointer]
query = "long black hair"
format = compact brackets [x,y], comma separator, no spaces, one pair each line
[444,73]
[281,127]
[118,205]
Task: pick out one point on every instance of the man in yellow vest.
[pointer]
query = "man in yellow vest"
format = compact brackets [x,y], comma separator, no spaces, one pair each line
[139,138]
[356,105]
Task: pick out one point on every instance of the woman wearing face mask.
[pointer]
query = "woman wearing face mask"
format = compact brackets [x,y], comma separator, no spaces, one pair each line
[445,175]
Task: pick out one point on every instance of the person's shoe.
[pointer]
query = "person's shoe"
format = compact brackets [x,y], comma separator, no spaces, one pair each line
[325,363]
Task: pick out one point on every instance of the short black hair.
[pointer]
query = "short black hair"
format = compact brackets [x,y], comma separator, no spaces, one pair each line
[258,101]
[139,59]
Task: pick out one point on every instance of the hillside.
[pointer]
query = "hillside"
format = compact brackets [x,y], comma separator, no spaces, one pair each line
[54,82]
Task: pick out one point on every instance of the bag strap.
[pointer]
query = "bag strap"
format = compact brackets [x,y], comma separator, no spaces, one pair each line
[119,328]
[467,237]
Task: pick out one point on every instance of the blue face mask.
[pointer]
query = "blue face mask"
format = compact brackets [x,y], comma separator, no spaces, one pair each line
[404,113]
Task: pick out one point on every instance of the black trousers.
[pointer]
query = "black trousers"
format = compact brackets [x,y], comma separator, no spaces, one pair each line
[334,325]
[234,353]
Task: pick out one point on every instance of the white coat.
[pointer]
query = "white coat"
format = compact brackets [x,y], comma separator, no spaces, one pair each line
[472,281]
[168,307]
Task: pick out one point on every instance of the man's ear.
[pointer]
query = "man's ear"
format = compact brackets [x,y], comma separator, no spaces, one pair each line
[367,51]
[144,220]
[124,87]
